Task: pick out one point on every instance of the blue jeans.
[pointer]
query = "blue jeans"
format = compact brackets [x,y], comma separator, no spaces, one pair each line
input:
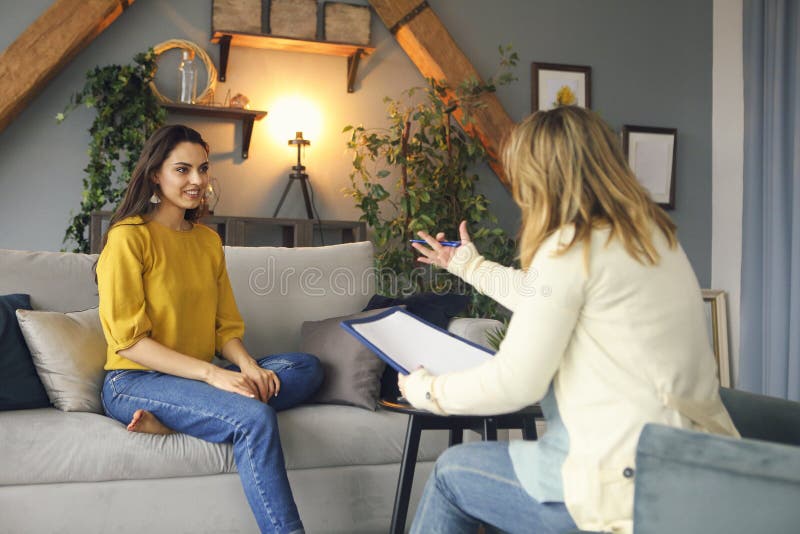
[203,411]
[475,483]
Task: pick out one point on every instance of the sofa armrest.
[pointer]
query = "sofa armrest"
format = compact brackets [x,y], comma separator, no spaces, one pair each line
[474,330]
[762,417]
[693,482]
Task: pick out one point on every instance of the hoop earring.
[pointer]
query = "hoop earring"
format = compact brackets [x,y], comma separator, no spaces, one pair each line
[155,199]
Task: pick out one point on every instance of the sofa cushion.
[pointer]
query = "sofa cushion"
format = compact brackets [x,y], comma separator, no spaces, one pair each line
[20,387]
[56,281]
[50,446]
[352,371]
[332,436]
[277,289]
[474,329]
[69,351]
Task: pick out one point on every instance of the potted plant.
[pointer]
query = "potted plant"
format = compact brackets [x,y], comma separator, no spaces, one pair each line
[419,174]
[127,114]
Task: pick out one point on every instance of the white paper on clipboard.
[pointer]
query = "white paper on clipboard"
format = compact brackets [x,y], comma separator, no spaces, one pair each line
[410,343]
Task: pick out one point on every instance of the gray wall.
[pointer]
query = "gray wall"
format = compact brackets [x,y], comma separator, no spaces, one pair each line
[651,65]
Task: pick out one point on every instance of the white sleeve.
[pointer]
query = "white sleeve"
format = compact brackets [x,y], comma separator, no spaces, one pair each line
[498,282]
[537,338]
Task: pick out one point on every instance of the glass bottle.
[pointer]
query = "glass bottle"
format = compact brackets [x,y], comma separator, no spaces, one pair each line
[188,78]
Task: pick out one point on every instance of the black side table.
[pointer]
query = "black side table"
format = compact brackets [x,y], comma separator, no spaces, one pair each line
[419,420]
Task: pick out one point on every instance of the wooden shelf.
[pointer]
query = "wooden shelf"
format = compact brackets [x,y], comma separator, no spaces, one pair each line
[247,116]
[353,52]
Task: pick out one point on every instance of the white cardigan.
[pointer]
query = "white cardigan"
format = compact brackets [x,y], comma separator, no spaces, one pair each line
[624,344]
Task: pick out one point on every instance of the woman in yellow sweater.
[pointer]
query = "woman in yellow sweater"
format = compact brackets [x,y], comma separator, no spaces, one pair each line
[167,308]
[608,331]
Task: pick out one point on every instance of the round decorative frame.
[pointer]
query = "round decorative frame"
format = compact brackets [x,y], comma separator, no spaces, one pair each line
[207,96]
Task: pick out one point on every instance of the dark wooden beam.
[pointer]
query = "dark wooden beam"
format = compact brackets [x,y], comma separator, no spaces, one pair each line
[48,45]
[420,32]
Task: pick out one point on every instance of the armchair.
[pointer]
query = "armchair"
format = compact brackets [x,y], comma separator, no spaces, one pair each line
[690,482]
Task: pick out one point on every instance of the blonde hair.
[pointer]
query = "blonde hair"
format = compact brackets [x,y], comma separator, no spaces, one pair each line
[566,167]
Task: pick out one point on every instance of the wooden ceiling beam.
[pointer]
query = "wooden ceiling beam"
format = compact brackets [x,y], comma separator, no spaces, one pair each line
[420,32]
[48,45]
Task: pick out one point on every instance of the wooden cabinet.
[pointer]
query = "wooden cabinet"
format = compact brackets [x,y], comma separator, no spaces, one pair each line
[258,231]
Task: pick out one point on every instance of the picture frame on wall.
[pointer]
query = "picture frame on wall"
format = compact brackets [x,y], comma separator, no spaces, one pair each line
[716,309]
[555,84]
[651,152]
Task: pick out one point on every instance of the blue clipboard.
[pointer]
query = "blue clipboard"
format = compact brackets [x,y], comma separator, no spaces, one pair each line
[457,347]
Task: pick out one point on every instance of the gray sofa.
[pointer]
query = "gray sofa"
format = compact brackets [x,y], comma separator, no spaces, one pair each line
[84,473]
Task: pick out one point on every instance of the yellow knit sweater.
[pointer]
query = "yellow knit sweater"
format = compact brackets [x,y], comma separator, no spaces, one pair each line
[169,285]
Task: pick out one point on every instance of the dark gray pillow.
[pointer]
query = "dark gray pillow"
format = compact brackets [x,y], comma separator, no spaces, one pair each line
[352,371]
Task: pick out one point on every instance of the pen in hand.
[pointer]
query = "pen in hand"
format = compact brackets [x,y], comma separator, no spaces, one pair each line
[443,243]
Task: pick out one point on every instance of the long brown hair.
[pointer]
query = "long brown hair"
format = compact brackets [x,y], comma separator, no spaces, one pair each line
[566,167]
[141,186]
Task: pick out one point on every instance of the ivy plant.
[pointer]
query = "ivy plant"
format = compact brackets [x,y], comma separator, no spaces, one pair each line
[127,114]
[419,174]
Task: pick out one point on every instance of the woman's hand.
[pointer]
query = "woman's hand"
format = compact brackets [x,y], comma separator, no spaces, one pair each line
[262,384]
[437,254]
[417,389]
[235,382]
[402,379]
[266,381]
[401,383]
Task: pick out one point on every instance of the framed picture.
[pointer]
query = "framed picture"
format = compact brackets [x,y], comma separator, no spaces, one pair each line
[717,324]
[651,156]
[555,85]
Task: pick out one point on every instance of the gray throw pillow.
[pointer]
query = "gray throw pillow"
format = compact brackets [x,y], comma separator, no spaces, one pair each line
[352,371]
[69,352]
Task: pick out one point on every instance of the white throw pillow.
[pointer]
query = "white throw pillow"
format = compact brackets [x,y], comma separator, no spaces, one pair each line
[69,352]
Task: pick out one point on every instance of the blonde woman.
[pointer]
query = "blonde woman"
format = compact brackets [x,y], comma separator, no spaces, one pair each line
[608,331]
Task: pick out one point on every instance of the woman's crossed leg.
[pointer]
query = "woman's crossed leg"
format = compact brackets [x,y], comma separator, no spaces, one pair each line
[203,411]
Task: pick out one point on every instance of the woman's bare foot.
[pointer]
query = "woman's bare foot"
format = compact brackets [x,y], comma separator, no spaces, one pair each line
[144,421]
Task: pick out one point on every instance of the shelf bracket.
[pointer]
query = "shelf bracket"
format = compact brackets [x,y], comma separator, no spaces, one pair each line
[247,116]
[247,133]
[224,51]
[352,68]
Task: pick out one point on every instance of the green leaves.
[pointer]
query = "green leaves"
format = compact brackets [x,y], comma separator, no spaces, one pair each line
[431,158]
[495,337]
[127,114]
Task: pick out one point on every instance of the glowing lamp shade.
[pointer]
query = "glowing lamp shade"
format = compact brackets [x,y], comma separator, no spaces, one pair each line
[292,114]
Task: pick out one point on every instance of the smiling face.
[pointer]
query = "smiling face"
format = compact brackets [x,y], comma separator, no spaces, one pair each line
[183,177]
